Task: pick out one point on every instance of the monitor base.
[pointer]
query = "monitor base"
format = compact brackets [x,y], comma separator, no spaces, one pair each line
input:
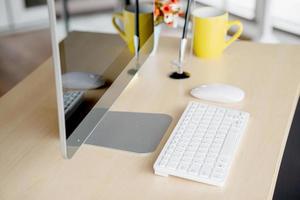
[130,131]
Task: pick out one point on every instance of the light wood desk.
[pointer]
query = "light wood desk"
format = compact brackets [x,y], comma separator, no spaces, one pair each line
[31,166]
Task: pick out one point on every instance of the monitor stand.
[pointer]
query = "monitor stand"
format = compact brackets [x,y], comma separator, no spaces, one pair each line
[130,131]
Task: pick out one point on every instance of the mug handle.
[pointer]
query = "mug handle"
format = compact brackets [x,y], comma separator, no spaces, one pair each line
[237,34]
[121,18]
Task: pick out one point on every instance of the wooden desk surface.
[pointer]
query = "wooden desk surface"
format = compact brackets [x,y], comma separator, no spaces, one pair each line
[31,166]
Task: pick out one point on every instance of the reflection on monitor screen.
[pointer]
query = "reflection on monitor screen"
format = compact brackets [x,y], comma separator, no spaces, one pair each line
[93,51]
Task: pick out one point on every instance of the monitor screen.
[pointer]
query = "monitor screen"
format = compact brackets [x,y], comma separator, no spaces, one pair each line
[95,56]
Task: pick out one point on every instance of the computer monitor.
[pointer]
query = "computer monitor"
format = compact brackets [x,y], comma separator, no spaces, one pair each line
[93,65]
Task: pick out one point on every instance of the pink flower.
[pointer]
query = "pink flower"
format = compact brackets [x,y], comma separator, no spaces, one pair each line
[166,8]
[167,11]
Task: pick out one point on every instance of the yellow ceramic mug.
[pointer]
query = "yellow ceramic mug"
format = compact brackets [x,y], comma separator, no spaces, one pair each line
[127,17]
[210,30]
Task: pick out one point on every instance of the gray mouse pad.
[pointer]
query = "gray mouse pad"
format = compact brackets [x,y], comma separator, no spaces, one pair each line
[130,131]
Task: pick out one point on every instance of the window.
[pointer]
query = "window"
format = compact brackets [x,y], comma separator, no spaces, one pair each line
[285,13]
[4,22]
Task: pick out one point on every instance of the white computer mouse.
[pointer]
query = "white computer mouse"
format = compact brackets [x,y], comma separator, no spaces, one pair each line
[219,93]
[82,80]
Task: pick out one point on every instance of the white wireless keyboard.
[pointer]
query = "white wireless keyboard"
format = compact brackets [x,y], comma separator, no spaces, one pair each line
[203,143]
[72,99]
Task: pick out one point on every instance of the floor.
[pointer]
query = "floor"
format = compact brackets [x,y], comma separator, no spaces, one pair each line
[20,54]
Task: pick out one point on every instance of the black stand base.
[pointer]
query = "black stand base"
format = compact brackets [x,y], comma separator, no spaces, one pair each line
[176,75]
[132,71]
